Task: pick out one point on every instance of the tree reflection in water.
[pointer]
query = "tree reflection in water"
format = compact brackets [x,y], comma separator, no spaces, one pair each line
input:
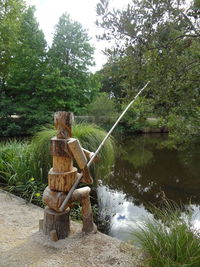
[143,173]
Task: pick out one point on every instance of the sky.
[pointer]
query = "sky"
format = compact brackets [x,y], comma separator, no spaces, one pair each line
[83,11]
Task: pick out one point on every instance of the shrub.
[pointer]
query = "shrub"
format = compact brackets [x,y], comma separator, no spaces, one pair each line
[169,240]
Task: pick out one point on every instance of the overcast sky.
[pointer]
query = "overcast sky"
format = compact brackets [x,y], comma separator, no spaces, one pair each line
[83,11]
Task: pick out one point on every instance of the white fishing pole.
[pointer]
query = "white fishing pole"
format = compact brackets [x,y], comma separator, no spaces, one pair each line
[63,206]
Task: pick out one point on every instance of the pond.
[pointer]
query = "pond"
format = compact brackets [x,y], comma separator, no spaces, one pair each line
[146,172]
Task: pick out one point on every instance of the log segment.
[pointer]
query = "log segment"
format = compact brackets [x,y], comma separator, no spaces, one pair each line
[62,164]
[81,160]
[53,199]
[62,181]
[63,123]
[59,147]
[56,225]
[87,215]
[77,152]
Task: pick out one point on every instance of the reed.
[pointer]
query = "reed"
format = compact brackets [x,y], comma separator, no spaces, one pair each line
[170,240]
[14,162]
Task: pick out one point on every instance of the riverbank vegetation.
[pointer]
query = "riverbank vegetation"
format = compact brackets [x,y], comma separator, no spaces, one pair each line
[24,165]
[170,239]
[151,40]
[156,41]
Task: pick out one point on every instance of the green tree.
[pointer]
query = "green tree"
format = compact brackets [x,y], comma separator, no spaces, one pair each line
[26,69]
[157,41]
[26,73]
[10,20]
[69,58]
[112,80]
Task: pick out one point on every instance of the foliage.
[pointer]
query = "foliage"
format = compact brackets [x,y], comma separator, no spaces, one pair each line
[170,241]
[30,190]
[104,109]
[112,77]
[35,80]
[14,162]
[157,41]
[10,19]
[68,59]
[136,117]
[182,130]
[16,173]
[23,81]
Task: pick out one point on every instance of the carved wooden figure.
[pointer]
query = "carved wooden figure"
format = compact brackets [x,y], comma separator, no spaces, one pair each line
[62,176]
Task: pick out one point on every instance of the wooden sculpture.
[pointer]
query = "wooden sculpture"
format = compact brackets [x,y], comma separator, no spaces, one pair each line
[61,177]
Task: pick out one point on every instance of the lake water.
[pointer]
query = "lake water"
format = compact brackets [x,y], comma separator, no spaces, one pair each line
[145,172]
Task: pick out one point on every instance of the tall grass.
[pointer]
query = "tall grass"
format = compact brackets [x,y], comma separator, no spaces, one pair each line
[21,161]
[169,240]
[14,162]
[90,137]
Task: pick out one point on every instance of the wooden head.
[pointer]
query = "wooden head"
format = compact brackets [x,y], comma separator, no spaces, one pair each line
[63,122]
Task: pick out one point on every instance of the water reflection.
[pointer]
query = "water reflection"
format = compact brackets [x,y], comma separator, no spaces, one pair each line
[124,217]
[143,173]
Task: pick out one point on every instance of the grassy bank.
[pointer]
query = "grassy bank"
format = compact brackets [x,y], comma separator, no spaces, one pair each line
[24,165]
[170,240]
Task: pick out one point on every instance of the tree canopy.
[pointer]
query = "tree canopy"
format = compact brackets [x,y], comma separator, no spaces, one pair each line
[36,80]
[157,41]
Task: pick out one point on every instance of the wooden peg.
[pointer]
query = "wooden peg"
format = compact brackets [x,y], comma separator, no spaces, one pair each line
[41,222]
[53,235]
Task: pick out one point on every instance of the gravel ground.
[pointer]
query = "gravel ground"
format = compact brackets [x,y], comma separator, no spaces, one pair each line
[21,244]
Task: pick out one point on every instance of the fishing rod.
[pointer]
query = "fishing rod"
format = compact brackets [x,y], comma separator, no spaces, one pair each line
[64,204]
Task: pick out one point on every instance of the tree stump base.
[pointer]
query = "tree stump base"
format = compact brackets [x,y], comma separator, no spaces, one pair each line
[57,223]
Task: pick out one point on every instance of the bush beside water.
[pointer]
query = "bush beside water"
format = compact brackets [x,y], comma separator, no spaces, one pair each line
[170,239]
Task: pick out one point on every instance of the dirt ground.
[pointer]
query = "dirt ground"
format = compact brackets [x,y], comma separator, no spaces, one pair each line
[21,243]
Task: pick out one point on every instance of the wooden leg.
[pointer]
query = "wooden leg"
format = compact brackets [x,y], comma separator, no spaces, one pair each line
[83,195]
[56,222]
[87,215]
